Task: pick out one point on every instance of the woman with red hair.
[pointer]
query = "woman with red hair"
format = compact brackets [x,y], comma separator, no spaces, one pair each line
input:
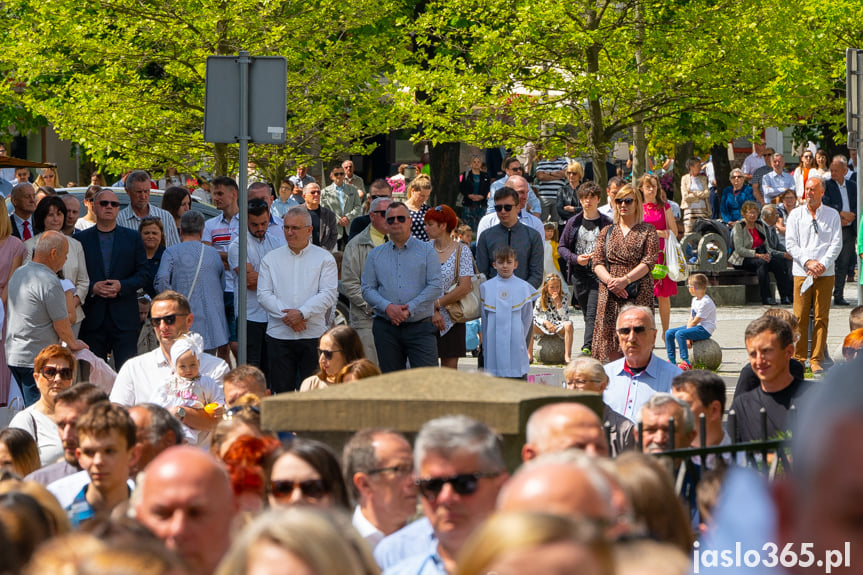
[852,344]
[245,460]
[456,264]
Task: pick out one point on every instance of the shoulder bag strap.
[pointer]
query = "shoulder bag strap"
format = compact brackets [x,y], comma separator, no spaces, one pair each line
[457,262]
[197,271]
[608,239]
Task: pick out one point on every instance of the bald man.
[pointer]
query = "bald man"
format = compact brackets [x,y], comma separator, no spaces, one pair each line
[559,426]
[187,502]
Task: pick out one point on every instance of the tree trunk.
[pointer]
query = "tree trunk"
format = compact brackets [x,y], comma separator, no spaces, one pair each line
[721,166]
[220,160]
[639,150]
[444,161]
[682,153]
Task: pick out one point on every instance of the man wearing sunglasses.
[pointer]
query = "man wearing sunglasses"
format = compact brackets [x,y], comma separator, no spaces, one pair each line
[639,374]
[353,262]
[459,472]
[142,378]
[344,200]
[512,167]
[509,227]
[325,231]
[400,282]
[117,266]
[138,189]
[378,189]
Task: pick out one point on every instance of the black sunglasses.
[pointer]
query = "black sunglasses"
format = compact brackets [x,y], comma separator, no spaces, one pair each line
[373,198]
[462,484]
[311,488]
[50,372]
[626,201]
[638,330]
[106,203]
[338,173]
[392,219]
[168,319]
[232,411]
[328,353]
[518,169]
[381,213]
[501,207]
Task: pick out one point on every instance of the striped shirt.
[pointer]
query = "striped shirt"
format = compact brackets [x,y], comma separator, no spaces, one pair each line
[218,232]
[128,219]
[549,188]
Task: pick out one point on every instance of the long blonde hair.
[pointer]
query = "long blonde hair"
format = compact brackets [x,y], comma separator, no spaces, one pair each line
[639,206]
[544,297]
[5,222]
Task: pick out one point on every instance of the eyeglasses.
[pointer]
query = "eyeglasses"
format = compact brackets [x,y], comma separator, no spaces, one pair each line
[463,484]
[232,411]
[328,353]
[637,329]
[379,196]
[50,372]
[516,168]
[573,174]
[737,177]
[626,201]
[311,488]
[503,207]
[338,173]
[402,470]
[577,382]
[381,213]
[106,203]
[392,219]
[294,229]
[314,192]
[167,319]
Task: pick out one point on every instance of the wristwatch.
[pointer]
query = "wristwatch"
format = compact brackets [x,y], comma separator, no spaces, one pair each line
[181,413]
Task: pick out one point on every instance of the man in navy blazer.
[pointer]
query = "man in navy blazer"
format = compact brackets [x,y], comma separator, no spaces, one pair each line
[841,195]
[117,265]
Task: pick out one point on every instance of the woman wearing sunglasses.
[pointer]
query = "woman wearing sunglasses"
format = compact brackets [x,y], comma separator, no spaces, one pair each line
[337,347]
[632,249]
[53,370]
[306,472]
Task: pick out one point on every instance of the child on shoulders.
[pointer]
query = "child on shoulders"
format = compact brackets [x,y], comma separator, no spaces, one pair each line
[701,324]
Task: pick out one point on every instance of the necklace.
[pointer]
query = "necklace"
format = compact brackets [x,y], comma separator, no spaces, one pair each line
[443,249]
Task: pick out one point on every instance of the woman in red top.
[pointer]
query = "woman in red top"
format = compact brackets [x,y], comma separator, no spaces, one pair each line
[657,212]
[755,250]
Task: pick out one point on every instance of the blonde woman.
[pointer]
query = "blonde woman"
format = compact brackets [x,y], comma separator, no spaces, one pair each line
[419,191]
[48,178]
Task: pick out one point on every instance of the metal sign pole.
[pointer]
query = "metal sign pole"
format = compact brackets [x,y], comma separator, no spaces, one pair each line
[242,336]
[854,119]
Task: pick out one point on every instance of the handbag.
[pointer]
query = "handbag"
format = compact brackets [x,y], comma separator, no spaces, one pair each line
[468,307]
[631,288]
[675,260]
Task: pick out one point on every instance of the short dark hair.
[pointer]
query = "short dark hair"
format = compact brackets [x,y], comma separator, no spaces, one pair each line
[322,458]
[699,281]
[708,386]
[380,184]
[173,198]
[161,422]
[258,207]
[588,188]
[226,182]
[42,209]
[176,297]
[506,192]
[287,181]
[358,455]
[780,327]
[104,417]
[855,318]
[617,181]
[504,253]
[84,391]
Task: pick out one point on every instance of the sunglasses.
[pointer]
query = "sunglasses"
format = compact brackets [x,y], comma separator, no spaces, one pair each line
[231,412]
[401,470]
[311,488]
[401,219]
[518,169]
[626,201]
[380,196]
[168,319]
[328,353]
[736,177]
[381,213]
[501,207]
[50,372]
[338,173]
[463,484]
[106,203]
[638,330]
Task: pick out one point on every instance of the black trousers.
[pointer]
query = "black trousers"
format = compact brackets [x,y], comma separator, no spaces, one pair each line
[109,339]
[256,345]
[291,361]
[586,289]
[397,344]
[762,269]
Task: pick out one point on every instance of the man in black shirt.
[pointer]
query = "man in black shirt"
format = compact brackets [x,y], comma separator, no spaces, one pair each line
[770,344]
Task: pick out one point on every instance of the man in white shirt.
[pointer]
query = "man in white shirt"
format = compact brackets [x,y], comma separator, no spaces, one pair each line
[813,237]
[521,186]
[297,287]
[778,181]
[142,379]
[378,465]
[260,241]
[138,190]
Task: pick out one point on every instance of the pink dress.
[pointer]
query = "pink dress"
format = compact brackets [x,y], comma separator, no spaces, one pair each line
[654,216]
[11,248]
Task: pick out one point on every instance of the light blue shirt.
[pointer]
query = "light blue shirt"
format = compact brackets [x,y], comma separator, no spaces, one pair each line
[280,208]
[410,275]
[773,184]
[626,394]
[412,539]
[533,203]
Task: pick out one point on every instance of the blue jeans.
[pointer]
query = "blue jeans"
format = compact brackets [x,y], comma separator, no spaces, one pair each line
[681,335]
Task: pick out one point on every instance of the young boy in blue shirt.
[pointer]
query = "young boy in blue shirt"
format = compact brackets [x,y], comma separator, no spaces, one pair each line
[701,324]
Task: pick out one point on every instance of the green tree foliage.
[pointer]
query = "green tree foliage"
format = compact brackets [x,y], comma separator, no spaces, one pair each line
[126,78]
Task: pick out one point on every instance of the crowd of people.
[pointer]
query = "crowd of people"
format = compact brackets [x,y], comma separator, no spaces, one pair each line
[165,466]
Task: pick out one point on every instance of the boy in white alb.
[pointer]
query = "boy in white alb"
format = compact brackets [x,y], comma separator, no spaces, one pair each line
[507,317]
[701,324]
